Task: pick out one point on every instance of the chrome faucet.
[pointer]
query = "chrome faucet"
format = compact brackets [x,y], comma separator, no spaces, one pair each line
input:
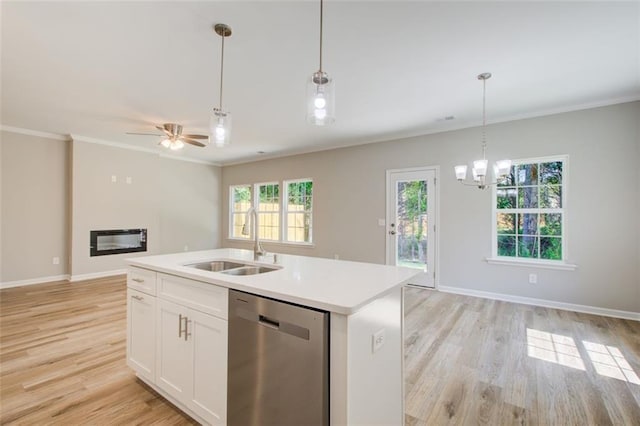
[252,215]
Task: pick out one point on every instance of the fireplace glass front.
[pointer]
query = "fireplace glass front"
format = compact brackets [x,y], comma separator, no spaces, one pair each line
[116,241]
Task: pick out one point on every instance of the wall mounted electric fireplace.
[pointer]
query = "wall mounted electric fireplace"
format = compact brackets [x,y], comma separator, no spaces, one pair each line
[116,241]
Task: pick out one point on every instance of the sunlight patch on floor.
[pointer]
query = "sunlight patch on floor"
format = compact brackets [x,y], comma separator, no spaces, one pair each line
[609,361]
[553,348]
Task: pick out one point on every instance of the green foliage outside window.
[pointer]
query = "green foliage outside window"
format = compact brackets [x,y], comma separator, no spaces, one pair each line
[530,210]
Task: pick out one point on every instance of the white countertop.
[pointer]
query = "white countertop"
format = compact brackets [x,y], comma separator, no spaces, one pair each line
[331,285]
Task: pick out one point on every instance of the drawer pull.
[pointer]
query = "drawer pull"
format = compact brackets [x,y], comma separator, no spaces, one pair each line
[138,280]
[135,296]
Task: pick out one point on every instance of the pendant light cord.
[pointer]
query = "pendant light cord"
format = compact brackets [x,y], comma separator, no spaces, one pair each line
[221,70]
[484,118]
[321,35]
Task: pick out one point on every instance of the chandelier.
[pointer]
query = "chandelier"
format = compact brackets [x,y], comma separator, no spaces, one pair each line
[479,170]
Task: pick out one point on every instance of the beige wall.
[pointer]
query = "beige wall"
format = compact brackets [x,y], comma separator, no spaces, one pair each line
[603,201]
[35,199]
[54,192]
[177,201]
[190,206]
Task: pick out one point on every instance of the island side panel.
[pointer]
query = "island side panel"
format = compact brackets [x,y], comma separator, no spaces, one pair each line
[338,370]
[375,375]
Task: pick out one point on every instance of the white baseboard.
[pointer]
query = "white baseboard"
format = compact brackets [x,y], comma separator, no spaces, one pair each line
[542,302]
[93,275]
[41,280]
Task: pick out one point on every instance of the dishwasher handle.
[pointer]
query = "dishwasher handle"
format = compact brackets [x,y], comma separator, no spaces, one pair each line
[266,321]
[274,324]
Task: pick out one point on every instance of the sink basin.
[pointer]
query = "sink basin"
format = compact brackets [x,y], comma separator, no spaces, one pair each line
[249,270]
[216,265]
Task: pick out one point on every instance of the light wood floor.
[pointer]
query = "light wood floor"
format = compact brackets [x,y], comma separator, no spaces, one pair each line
[62,362]
[468,361]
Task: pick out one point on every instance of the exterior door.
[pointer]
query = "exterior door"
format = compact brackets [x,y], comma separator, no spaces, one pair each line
[411,222]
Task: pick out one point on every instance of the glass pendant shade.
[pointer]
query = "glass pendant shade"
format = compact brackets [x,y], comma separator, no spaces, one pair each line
[480,167]
[220,128]
[461,172]
[320,99]
[503,167]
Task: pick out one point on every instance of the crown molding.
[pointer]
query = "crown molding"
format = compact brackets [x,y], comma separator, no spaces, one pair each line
[29,132]
[87,139]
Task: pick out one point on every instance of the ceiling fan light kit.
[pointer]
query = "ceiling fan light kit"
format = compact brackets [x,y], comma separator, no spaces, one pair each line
[220,122]
[501,168]
[320,92]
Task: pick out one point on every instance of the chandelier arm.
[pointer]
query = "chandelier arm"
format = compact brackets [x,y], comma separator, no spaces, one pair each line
[484,119]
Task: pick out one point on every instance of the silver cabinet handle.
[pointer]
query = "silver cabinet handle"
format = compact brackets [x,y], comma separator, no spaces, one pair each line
[138,280]
[186,328]
[180,325]
[135,296]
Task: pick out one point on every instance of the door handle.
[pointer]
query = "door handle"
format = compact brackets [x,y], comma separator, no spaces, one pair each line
[392,232]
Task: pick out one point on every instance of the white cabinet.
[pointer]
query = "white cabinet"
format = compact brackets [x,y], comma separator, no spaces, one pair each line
[177,340]
[192,359]
[141,333]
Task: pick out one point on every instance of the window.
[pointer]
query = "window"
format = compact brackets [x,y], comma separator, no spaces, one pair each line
[294,226]
[240,203]
[269,211]
[298,210]
[529,211]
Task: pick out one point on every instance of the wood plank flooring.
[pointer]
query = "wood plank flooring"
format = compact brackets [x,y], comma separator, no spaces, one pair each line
[477,361]
[62,362]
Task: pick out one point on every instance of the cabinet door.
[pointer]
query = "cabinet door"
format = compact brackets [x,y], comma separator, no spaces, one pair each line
[141,333]
[174,351]
[209,337]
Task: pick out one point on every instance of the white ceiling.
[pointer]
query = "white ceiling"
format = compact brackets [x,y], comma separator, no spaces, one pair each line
[100,69]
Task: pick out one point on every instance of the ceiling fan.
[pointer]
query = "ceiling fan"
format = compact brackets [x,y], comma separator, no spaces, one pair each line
[173,137]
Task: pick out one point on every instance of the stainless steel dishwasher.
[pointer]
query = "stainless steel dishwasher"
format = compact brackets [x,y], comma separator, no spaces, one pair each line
[278,370]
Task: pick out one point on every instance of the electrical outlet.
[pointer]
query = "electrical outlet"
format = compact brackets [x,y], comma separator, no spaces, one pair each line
[336,257]
[114,178]
[533,278]
[377,341]
[56,260]
[128,180]
[186,248]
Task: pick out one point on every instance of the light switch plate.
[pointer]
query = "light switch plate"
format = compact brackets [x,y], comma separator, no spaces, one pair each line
[377,340]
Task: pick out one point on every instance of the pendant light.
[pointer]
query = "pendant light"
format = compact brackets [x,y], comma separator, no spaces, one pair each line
[220,123]
[501,168]
[320,92]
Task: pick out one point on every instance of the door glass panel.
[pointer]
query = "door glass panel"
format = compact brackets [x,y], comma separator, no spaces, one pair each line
[412,224]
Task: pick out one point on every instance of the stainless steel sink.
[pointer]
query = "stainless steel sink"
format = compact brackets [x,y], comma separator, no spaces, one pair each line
[216,265]
[249,270]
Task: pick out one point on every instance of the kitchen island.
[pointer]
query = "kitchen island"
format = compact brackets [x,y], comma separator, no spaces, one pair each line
[178,323]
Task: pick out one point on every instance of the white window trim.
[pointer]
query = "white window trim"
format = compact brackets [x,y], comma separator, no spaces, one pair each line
[285,210]
[254,203]
[231,211]
[537,263]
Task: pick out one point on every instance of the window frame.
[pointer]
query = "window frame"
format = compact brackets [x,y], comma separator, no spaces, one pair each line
[256,205]
[535,262]
[285,212]
[232,211]
[283,203]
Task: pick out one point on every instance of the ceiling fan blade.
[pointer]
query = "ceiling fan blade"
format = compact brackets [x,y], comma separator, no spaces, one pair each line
[144,134]
[195,136]
[162,129]
[192,142]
